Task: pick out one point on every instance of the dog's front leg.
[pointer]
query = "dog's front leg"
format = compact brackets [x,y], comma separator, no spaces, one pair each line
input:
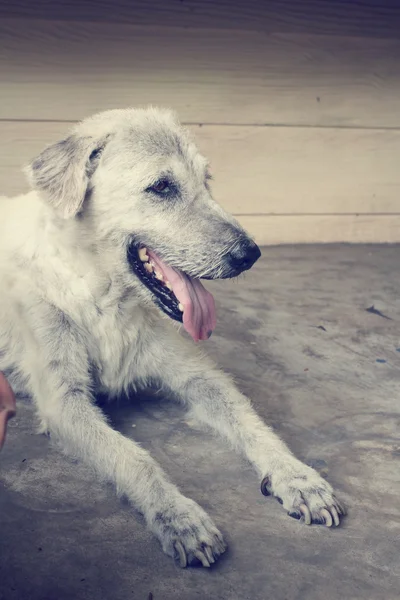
[58,367]
[215,401]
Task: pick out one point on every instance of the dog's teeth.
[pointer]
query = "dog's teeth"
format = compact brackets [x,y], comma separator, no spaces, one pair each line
[148,267]
[169,286]
[143,255]
[180,306]
[158,275]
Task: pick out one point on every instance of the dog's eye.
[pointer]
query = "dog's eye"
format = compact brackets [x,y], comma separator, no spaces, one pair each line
[161,187]
[94,154]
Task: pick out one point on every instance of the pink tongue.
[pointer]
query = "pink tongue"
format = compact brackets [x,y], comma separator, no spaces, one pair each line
[199,318]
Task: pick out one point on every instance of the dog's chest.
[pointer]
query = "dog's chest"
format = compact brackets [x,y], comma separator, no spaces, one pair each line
[116,335]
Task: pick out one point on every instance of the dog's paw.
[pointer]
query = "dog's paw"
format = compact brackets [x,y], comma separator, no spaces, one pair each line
[305,495]
[188,534]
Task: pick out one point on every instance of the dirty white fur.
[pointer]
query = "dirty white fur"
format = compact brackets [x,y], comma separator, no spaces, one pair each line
[74,318]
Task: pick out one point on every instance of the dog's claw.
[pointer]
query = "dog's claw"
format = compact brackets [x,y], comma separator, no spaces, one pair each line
[341,509]
[335,516]
[208,552]
[327,516]
[264,487]
[181,554]
[202,558]
[219,542]
[306,512]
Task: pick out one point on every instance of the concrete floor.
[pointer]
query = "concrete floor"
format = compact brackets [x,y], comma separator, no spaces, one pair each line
[322,370]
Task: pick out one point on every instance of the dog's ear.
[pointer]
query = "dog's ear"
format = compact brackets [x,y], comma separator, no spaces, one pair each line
[62,171]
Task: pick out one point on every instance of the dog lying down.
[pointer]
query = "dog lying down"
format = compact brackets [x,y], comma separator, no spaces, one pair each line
[119,231]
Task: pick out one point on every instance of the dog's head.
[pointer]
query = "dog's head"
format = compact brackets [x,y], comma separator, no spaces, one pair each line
[140,181]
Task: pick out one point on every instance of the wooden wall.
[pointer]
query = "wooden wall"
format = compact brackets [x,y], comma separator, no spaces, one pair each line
[296,103]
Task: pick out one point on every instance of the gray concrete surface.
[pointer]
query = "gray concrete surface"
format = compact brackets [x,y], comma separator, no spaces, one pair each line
[322,370]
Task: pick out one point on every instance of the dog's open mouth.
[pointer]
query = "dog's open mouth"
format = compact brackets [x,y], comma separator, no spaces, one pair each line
[181,297]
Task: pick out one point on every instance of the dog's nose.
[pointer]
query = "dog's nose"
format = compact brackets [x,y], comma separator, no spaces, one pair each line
[244,256]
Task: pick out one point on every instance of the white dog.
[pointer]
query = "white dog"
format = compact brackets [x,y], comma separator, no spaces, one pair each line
[118,233]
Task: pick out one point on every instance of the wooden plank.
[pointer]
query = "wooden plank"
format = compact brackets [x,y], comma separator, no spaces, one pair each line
[65,71]
[375,18]
[285,170]
[329,229]
[262,170]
